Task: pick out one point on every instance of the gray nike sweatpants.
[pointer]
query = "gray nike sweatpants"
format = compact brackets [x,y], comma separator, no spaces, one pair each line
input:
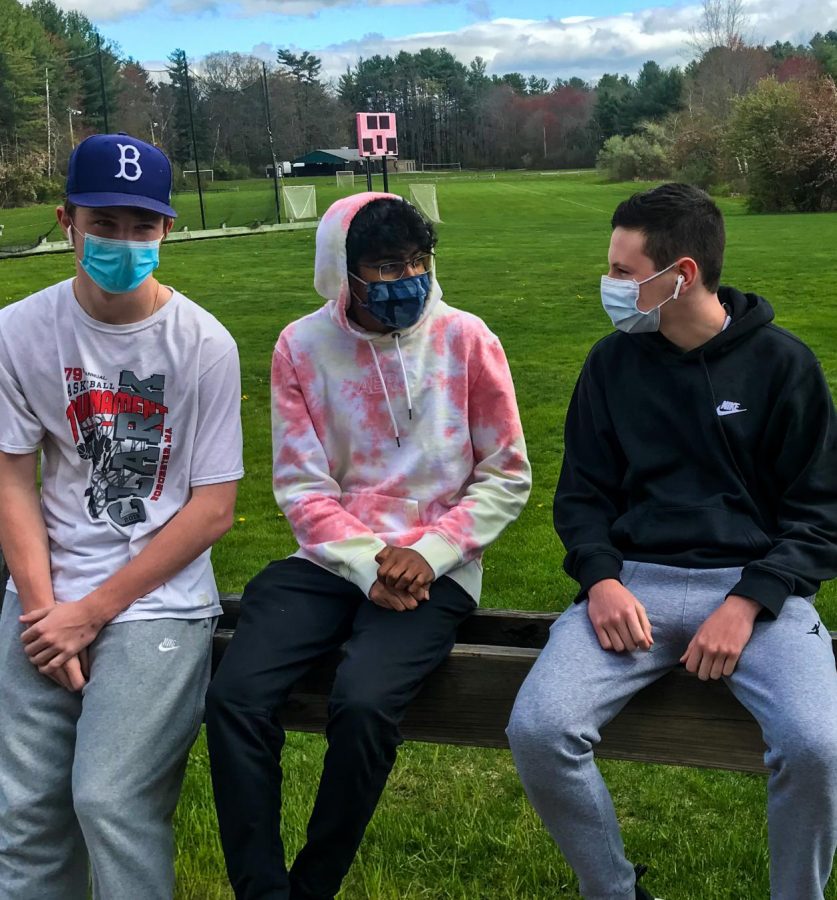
[786,677]
[97,774]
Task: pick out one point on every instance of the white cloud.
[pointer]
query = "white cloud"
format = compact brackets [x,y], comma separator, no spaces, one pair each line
[118,9]
[586,46]
[589,46]
[580,46]
[590,41]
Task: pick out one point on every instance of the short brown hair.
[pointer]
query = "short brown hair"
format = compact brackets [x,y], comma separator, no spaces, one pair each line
[677,220]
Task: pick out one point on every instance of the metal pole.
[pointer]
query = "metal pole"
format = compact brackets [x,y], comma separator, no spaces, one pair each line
[194,142]
[49,126]
[368,173]
[270,141]
[102,83]
[384,171]
[70,120]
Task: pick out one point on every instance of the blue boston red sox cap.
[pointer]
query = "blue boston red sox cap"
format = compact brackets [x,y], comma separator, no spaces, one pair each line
[119,170]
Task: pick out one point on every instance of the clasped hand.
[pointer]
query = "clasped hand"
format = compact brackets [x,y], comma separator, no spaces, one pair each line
[404,579]
[56,641]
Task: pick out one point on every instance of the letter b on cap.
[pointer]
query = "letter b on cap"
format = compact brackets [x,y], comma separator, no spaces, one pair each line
[132,161]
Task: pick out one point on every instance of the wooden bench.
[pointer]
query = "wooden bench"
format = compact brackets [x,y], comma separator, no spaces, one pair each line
[679,720]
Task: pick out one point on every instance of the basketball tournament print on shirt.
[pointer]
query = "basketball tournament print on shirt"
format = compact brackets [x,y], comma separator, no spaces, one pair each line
[121,429]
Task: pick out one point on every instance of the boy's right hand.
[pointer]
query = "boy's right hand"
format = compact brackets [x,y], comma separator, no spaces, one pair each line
[618,618]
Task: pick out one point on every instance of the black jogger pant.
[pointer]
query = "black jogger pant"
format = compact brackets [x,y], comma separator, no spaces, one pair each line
[292,613]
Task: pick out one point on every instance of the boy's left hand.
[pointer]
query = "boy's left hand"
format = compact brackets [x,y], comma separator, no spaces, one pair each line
[719,642]
[58,633]
[403,569]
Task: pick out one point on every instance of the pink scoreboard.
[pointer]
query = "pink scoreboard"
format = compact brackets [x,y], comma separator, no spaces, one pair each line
[376,134]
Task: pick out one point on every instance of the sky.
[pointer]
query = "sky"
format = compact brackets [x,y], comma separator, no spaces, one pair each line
[546,38]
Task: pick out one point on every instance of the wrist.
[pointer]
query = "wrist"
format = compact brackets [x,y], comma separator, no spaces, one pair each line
[99,609]
[600,587]
[744,605]
[29,602]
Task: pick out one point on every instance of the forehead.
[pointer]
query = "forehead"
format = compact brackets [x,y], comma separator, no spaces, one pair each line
[389,254]
[120,213]
[627,246]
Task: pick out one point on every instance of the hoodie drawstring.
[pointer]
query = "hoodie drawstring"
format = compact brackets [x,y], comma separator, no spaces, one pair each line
[386,394]
[404,374]
[384,386]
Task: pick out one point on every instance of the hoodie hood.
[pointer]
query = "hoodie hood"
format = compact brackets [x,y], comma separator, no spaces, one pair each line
[331,274]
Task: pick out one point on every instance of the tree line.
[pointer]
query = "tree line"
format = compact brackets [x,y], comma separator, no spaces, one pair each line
[60,79]
[759,121]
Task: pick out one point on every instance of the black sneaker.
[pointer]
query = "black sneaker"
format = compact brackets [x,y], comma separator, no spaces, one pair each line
[641,893]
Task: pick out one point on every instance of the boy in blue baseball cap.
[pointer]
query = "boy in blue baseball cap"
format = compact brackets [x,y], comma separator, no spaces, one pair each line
[130,392]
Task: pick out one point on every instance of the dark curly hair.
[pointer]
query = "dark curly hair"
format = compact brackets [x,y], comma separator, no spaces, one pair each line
[387,228]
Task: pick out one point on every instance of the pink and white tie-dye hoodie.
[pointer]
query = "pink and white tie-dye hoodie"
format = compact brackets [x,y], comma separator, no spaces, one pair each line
[410,438]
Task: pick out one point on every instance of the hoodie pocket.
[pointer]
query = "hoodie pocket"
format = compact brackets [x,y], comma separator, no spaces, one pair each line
[689,529]
[381,513]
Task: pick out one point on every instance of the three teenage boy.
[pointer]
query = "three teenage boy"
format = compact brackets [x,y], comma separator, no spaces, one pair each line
[698,506]
[131,393]
[398,458]
[697,503]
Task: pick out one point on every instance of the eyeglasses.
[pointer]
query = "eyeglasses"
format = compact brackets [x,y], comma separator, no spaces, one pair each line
[392,271]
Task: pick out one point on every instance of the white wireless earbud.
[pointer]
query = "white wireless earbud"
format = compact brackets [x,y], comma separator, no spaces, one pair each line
[678,285]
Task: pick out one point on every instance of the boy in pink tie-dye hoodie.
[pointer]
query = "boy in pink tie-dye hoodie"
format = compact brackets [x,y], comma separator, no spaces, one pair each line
[398,458]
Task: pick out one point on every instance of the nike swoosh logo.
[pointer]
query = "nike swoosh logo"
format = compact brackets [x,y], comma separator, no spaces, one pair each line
[729,412]
[163,649]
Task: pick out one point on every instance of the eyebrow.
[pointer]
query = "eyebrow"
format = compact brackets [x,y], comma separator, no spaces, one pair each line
[383,260]
[113,212]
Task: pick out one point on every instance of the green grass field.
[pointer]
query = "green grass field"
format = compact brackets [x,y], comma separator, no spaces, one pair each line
[525,253]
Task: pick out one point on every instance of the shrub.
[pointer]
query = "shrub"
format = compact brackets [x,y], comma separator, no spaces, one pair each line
[785,136]
[26,182]
[227,171]
[646,155]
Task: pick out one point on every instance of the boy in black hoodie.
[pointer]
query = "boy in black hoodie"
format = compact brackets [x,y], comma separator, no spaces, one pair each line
[698,505]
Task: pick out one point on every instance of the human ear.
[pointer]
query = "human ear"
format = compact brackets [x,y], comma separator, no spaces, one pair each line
[688,273]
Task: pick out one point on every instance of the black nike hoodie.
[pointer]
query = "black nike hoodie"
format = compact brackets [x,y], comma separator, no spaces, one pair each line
[725,455]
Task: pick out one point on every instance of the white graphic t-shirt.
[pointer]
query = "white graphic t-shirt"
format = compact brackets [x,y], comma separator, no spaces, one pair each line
[128,418]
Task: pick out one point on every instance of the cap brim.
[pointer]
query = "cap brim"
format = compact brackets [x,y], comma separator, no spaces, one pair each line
[99,199]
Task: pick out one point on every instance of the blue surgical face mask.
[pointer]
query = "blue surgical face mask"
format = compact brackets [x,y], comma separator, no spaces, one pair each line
[119,266]
[396,304]
[620,298]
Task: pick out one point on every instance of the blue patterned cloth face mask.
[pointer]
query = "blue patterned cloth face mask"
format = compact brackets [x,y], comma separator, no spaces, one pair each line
[396,304]
[119,266]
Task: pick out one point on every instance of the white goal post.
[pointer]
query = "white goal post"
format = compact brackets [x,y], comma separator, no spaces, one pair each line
[441,167]
[424,197]
[300,201]
[345,178]
[209,172]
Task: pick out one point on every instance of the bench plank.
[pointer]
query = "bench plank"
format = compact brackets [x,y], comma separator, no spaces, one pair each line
[678,720]
[496,627]
[467,700]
